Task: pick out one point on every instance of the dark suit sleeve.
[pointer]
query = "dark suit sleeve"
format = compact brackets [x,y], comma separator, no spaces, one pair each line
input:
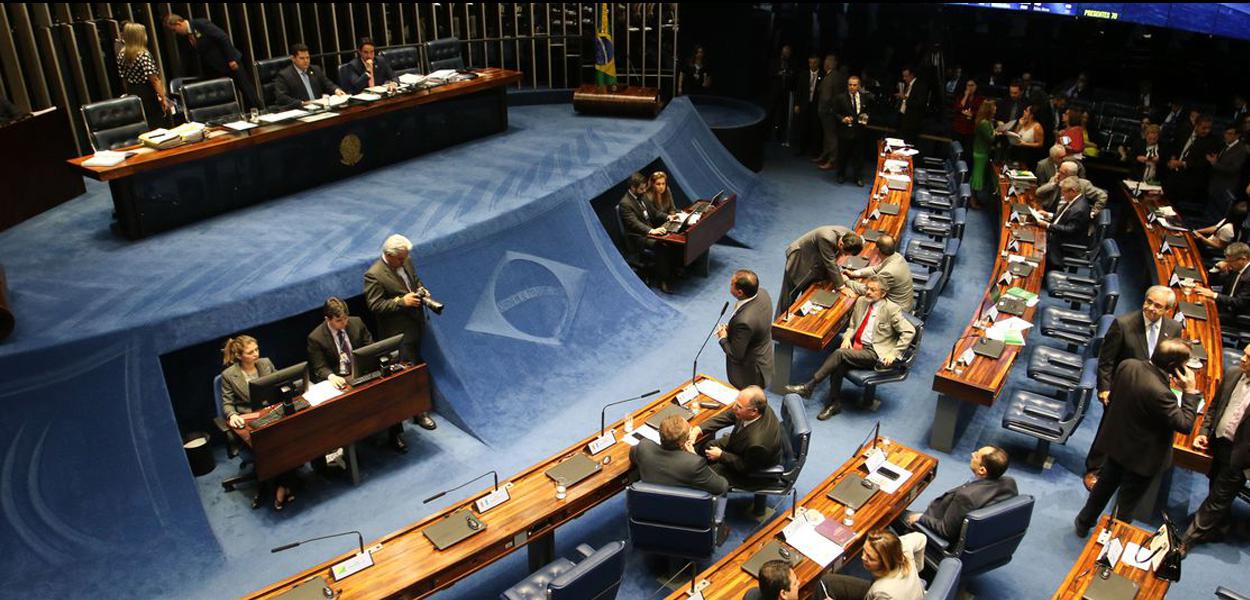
[1178,418]
[829,258]
[1239,302]
[841,107]
[377,298]
[318,363]
[707,479]
[355,80]
[1109,354]
[220,38]
[945,515]
[284,96]
[631,218]
[737,342]
[719,422]
[754,458]
[1074,221]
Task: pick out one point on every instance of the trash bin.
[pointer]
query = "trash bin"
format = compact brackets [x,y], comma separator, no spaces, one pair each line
[199,453]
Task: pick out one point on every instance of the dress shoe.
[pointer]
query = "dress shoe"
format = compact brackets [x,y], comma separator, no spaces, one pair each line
[1090,480]
[425,422]
[859,182]
[1081,530]
[399,444]
[825,166]
[801,389]
[830,412]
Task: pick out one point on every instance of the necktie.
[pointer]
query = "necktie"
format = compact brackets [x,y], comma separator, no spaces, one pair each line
[1152,337]
[345,353]
[303,75]
[856,341]
[811,86]
[1188,144]
[856,97]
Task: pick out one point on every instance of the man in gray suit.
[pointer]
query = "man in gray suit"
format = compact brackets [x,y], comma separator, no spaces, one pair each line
[397,298]
[833,83]
[748,339]
[893,270]
[814,257]
[1049,166]
[1048,193]
[876,334]
[945,515]
[673,461]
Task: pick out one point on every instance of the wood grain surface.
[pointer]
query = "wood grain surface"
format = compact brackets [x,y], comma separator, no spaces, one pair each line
[699,238]
[1084,570]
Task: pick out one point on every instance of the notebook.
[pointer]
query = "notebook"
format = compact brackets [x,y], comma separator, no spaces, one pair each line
[573,470]
[991,349]
[773,550]
[853,491]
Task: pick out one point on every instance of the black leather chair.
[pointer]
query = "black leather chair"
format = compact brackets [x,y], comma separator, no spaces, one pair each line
[402,59]
[211,101]
[597,576]
[267,70]
[1051,420]
[796,435]
[1062,369]
[642,263]
[939,226]
[1078,328]
[1079,289]
[230,483]
[114,123]
[869,379]
[674,521]
[444,54]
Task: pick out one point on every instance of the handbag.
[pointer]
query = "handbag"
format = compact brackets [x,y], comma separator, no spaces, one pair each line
[1165,551]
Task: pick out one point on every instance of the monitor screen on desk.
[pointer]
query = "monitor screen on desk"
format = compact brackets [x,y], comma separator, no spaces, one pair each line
[279,385]
[368,359]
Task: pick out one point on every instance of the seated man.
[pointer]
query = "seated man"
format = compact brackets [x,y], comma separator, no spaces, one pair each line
[1048,193]
[1047,170]
[1234,279]
[814,257]
[876,334]
[777,581]
[673,461]
[367,69]
[301,82]
[893,270]
[755,443]
[945,514]
[1069,224]
[640,220]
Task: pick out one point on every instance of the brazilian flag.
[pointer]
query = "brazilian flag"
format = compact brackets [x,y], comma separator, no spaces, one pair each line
[605,53]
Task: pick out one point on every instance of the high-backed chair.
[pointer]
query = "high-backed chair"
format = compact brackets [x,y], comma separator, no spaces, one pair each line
[640,263]
[796,434]
[220,421]
[402,59]
[869,379]
[940,226]
[1052,419]
[1062,369]
[988,538]
[444,53]
[596,576]
[114,123]
[267,71]
[945,584]
[1077,328]
[211,101]
[1078,289]
[673,521]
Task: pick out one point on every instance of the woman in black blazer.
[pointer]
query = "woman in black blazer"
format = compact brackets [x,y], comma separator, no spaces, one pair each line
[241,357]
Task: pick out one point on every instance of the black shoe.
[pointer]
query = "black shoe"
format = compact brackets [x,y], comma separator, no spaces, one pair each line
[830,412]
[426,422]
[399,444]
[664,287]
[232,451]
[1081,530]
[801,389]
[859,182]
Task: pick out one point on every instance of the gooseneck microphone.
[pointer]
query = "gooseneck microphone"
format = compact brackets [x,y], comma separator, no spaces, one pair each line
[360,539]
[694,368]
[445,492]
[603,412]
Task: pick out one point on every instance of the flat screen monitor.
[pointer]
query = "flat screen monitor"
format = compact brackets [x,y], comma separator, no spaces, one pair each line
[368,359]
[279,385]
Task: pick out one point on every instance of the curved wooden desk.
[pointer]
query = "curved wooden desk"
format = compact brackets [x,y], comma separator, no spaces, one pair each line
[1084,571]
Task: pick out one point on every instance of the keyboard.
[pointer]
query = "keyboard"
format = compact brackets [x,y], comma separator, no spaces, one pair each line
[275,414]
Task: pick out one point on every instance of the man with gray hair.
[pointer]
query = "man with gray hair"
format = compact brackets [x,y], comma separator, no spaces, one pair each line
[1234,280]
[1048,193]
[894,272]
[1069,224]
[395,295]
[1048,168]
[753,444]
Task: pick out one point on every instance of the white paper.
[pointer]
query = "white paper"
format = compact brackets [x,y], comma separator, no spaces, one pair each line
[803,537]
[318,117]
[718,392]
[327,102]
[1014,323]
[283,116]
[906,152]
[897,143]
[1130,554]
[441,74]
[646,431]
[687,394]
[365,97]
[411,78]
[320,392]
[378,89]
[105,158]
[240,126]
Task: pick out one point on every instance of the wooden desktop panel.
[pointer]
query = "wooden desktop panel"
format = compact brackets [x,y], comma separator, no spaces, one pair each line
[1084,571]
[700,237]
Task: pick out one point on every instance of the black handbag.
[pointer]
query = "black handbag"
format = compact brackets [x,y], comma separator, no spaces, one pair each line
[1165,540]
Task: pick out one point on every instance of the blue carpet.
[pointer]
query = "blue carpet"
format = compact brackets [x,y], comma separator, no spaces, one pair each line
[507,219]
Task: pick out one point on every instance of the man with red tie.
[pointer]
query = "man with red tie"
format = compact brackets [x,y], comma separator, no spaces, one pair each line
[875,335]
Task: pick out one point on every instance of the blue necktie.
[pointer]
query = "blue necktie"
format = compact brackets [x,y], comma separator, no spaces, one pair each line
[303,75]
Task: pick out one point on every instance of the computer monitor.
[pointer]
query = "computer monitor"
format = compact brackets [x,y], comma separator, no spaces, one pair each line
[279,385]
[368,359]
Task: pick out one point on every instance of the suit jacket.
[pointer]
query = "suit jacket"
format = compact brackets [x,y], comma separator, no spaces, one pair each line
[1226,172]
[1126,338]
[749,344]
[1240,458]
[638,216]
[1141,417]
[1138,148]
[815,256]
[843,107]
[1046,169]
[323,352]
[1234,296]
[236,396]
[356,79]
[747,449]
[917,101]
[384,292]
[212,46]
[892,332]
[899,285]
[945,515]
[1048,195]
[1196,161]
[289,88]
[832,84]
[1009,110]
[801,82]
[1070,226]
[651,463]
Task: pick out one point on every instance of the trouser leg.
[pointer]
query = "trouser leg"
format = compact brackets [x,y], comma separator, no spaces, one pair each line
[846,587]
[836,366]
[1108,482]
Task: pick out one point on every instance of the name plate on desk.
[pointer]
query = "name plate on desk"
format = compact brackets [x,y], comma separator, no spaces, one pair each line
[493,499]
[352,566]
[602,442]
[457,526]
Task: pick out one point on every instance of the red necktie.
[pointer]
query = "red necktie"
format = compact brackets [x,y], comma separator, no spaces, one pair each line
[859,332]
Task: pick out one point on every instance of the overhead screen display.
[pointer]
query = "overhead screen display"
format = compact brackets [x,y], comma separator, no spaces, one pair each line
[1228,20]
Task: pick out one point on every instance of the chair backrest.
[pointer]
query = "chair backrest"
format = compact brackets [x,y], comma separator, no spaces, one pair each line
[1109,256]
[1110,295]
[957,150]
[402,59]
[1104,325]
[115,123]
[908,356]
[597,577]
[961,167]
[1102,224]
[212,100]
[217,395]
[798,431]
[343,78]
[267,71]
[671,520]
[959,220]
[945,584]
[991,535]
[444,53]
[927,297]
[965,193]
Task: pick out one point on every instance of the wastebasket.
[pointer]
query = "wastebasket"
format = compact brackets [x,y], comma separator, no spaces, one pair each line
[199,453]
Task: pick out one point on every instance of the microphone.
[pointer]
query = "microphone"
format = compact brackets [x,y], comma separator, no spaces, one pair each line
[445,492]
[604,411]
[694,368]
[660,593]
[360,539]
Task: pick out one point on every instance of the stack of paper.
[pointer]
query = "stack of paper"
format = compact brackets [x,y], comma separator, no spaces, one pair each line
[803,537]
[1140,186]
[1010,331]
[285,115]
[320,392]
[718,392]
[105,158]
[1030,299]
[239,126]
[318,117]
[411,79]
[366,97]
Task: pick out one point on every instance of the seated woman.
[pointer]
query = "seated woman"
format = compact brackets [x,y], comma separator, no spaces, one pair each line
[1224,231]
[892,561]
[241,357]
[660,197]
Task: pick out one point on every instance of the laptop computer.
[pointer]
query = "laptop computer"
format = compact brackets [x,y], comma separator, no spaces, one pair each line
[1011,305]
[824,298]
[853,491]
[573,470]
[1187,273]
[1176,241]
[855,262]
[991,349]
[1025,235]
[1113,587]
[1193,311]
[773,550]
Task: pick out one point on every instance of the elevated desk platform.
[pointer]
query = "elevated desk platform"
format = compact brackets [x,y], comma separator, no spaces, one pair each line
[695,242]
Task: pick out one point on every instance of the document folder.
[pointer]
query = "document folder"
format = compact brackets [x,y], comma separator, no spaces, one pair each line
[671,409]
[824,298]
[855,262]
[853,491]
[991,349]
[1193,311]
[887,208]
[573,470]
[1020,269]
[871,235]
[1187,273]
[1011,306]
[771,551]
[1025,235]
[457,526]
[1114,587]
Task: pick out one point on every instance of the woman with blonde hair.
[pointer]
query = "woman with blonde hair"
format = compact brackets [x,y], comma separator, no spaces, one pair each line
[892,561]
[242,361]
[140,75]
[982,144]
[660,196]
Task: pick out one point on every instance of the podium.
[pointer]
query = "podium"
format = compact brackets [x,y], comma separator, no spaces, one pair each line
[39,178]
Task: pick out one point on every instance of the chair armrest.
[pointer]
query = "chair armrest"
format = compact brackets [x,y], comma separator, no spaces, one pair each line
[221,424]
[1077,279]
[585,550]
[770,473]
[939,542]
[1224,593]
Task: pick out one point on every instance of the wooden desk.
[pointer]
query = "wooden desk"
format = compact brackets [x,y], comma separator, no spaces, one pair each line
[697,241]
[728,581]
[617,100]
[39,179]
[817,330]
[1208,332]
[980,382]
[408,565]
[291,441]
[160,190]
[1084,570]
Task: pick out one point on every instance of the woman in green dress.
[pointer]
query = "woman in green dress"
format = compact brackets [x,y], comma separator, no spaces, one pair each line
[982,142]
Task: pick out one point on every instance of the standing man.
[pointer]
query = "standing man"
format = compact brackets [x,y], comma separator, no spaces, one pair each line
[1234,296]
[893,270]
[301,82]
[945,514]
[367,69]
[832,84]
[1226,432]
[1069,224]
[806,104]
[1227,164]
[876,334]
[852,118]
[1131,335]
[747,339]
[1188,171]
[217,55]
[814,257]
[912,95]
[1142,416]
[397,298]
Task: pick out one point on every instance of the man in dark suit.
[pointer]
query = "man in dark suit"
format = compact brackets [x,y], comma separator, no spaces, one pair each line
[814,257]
[850,109]
[1131,335]
[913,98]
[1227,163]
[945,514]
[1234,296]
[780,84]
[831,84]
[754,444]
[1012,107]
[1188,170]
[1226,433]
[639,220]
[1069,224]
[216,53]
[1142,416]
[367,69]
[397,298]
[301,82]
[673,461]
[806,105]
[747,339]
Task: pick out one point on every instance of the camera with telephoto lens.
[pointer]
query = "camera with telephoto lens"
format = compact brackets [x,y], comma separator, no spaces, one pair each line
[429,301]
